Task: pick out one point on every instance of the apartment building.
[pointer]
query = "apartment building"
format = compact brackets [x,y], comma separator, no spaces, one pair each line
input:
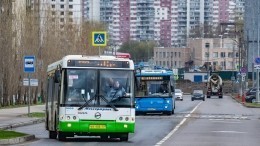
[167,22]
[63,10]
[220,53]
[171,57]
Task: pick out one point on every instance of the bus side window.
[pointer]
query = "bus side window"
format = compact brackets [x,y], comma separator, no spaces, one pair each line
[50,87]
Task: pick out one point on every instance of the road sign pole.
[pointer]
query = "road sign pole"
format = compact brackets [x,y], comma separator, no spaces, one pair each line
[99,50]
[29,67]
[29,94]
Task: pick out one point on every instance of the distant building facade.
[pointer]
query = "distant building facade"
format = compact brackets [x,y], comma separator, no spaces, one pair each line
[171,57]
[220,54]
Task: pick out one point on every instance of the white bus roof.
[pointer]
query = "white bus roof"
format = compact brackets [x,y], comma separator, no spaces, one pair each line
[63,61]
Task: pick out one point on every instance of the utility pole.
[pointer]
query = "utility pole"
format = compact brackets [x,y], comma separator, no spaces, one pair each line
[207,45]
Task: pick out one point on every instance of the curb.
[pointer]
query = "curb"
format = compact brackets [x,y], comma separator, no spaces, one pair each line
[10,126]
[17,140]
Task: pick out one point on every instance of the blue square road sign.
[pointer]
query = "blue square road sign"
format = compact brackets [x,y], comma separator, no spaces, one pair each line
[29,64]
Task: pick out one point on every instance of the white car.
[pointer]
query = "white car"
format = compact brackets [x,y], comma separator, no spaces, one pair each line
[178,94]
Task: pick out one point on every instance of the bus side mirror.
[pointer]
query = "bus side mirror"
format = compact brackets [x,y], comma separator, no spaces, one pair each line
[57,76]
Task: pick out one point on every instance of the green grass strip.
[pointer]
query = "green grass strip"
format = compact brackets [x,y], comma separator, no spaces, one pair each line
[257,105]
[37,115]
[4,134]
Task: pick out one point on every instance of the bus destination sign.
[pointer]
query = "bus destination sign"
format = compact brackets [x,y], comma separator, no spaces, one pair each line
[98,63]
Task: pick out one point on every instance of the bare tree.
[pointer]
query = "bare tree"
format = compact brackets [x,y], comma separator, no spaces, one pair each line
[26,33]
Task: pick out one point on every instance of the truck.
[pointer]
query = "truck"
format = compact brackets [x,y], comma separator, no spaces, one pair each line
[214,86]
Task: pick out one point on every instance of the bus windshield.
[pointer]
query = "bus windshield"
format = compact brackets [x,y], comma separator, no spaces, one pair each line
[150,88]
[99,88]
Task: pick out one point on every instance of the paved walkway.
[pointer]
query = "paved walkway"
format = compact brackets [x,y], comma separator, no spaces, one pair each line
[11,118]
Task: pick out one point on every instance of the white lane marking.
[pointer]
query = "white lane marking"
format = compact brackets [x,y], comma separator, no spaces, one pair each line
[229,132]
[177,127]
[224,121]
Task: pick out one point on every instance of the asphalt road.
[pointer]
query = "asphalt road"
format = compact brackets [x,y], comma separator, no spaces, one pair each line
[218,122]
[213,122]
[149,129]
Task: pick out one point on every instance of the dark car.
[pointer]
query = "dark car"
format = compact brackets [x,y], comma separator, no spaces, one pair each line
[251,98]
[251,91]
[197,94]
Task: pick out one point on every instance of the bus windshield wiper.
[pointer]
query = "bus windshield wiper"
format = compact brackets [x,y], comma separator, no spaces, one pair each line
[93,98]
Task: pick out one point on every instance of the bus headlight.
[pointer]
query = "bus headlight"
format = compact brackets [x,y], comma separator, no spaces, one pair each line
[166,106]
[168,101]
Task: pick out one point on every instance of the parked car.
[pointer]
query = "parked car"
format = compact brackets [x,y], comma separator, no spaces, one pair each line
[178,94]
[251,98]
[197,94]
[251,91]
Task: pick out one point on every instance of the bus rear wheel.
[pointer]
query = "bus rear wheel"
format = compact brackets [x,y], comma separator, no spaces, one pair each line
[52,134]
[124,137]
[61,136]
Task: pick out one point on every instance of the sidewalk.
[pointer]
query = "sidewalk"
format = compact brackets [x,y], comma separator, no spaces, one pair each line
[12,118]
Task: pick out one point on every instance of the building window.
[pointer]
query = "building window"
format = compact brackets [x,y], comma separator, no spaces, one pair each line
[53,12]
[70,20]
[222,54]
[70,0]
[61,0]
[207,45]
[70,6]
[62,13]
[61,6]
[61,19]
[230,54]
[215,54]
[52,6]
[206,54]
[70,13]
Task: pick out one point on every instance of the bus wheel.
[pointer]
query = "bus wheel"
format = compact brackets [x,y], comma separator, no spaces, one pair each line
[104,137]
[173,111]
[61,136]
[124,137]
[52,134]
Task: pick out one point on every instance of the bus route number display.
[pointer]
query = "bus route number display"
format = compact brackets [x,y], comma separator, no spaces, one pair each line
[98,63]
[152,78]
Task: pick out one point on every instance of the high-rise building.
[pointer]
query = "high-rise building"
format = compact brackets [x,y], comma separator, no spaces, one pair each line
[167,22]
[63,10]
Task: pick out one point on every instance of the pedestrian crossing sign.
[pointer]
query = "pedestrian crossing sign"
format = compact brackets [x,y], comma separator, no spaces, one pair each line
[99,38]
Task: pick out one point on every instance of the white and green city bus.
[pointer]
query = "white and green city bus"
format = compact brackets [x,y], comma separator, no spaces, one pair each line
[78,103]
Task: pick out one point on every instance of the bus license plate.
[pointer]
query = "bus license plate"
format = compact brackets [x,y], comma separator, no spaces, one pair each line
[97,127]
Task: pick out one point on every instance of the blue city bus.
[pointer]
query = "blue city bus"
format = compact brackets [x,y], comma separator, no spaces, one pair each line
[154,92]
